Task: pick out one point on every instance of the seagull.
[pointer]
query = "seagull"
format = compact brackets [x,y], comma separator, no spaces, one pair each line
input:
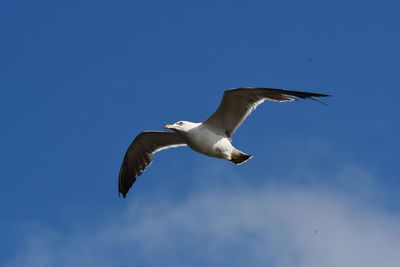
[212,137]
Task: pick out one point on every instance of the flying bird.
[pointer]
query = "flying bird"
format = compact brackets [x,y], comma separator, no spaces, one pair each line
[212,137]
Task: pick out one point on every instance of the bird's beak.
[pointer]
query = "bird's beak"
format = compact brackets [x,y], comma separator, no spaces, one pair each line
[168,126]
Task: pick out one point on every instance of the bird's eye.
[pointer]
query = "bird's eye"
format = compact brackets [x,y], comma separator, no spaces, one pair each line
[180,123]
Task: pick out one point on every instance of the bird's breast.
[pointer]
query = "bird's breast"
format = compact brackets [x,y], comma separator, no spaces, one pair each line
[209,143]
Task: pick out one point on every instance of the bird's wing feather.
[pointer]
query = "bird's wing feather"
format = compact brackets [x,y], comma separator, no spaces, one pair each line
[140,155]
[238,103]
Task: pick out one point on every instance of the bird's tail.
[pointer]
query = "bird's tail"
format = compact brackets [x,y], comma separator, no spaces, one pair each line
[239,157]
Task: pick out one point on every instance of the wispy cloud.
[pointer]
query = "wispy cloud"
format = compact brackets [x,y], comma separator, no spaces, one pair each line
[278,226]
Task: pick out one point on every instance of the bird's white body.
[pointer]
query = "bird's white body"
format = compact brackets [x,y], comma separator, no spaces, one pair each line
[203,140]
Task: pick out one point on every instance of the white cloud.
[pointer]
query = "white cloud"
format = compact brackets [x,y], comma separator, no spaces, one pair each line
[265,226]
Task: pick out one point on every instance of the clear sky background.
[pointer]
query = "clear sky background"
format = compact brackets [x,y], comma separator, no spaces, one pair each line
[79,80]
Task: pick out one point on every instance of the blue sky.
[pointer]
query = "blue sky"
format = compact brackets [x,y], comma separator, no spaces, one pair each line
[79,80]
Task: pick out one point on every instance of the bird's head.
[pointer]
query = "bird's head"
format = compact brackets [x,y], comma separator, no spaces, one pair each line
[181,126]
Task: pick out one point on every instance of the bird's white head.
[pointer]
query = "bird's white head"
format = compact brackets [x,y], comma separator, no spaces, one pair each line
[181,126]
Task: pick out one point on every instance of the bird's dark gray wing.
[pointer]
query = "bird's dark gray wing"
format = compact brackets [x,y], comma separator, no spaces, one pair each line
[238,103]
[140,155]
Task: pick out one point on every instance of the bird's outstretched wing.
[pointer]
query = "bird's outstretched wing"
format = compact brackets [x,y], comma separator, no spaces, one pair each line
[238,103]
[140,155]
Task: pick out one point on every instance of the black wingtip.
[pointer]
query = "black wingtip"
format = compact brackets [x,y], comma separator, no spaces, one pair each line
[123,195]
[306,95]
[319,101]
[121,184]
[321,95]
